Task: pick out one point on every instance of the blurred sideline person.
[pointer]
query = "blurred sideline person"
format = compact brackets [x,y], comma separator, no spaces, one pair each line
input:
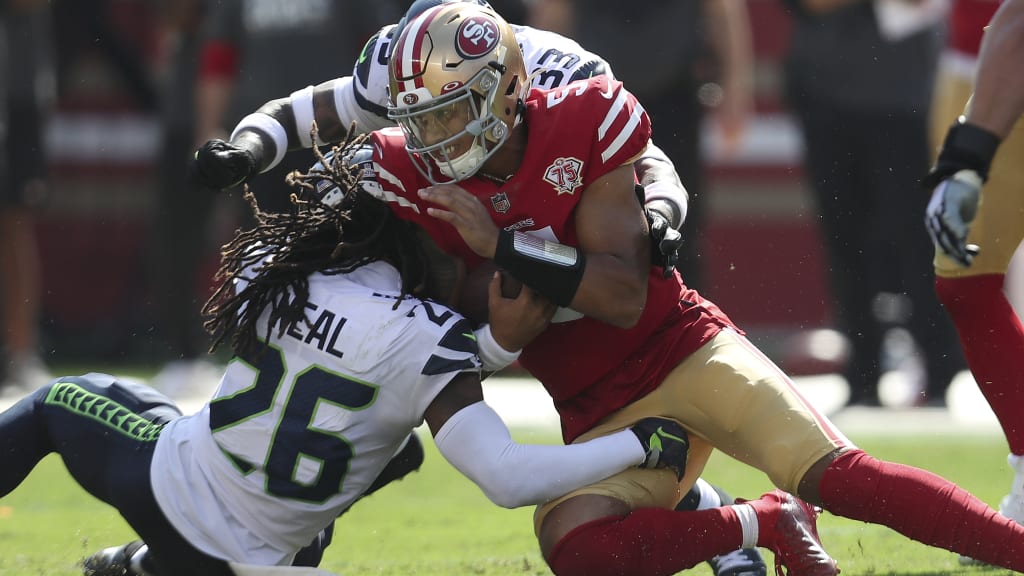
[27,94]
[339,356]
[179,258]
[708,43]
[247,49]
[267,136]
[542,183]
[976,214]
[865,130]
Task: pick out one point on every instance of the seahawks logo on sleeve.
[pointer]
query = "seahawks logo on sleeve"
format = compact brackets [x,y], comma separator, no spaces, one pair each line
[589,70]
[456,351]
[371,72]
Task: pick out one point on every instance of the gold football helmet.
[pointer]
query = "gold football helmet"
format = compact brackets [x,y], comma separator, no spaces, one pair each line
[456,87]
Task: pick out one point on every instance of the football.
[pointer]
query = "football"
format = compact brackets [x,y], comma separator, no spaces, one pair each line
[473,299]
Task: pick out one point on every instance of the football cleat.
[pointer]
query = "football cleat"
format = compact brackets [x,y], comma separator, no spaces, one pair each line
[792,535]
[114,561]
[742,562]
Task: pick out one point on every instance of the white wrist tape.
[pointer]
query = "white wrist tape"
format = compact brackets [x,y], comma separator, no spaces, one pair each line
[265,124]
[302,108]
[492,355]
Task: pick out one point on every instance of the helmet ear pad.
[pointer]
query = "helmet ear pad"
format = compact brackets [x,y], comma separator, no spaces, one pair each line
[512,106]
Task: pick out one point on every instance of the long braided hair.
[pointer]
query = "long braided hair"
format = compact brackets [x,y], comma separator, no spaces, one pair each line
[268,266]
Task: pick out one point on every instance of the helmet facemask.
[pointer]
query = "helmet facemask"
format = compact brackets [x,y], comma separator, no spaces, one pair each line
[457,131]
[457,77]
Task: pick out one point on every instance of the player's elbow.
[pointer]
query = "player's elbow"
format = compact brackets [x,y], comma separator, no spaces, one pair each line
[628,307]
[504,492]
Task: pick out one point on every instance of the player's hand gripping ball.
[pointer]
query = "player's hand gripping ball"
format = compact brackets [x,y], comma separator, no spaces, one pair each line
[473,302]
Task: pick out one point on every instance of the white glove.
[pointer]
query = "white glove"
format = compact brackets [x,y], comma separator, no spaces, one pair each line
[952,208]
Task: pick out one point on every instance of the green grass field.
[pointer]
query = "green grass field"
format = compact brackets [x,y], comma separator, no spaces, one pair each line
[438,523]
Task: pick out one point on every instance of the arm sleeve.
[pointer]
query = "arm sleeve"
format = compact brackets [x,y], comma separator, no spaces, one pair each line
[476,441]
[661,182]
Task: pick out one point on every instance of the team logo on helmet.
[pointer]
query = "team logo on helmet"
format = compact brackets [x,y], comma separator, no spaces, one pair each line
[453,85]
[477,36]
[409,99]
[565,174]
[500,203]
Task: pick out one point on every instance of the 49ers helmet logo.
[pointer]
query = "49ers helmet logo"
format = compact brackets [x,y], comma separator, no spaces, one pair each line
[477,36]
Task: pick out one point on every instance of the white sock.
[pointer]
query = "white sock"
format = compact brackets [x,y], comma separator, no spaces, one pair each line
[708,497]
[748,523]
[1016,463]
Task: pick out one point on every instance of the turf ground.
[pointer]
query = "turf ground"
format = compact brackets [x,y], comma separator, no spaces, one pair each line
[438,523]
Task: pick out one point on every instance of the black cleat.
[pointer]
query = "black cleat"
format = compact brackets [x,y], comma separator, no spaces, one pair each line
[115,561]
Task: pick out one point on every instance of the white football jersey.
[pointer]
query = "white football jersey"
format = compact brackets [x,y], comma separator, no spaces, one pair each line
[296,433]
[552,60]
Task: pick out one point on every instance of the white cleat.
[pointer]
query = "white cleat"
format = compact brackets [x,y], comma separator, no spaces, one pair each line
[1012,505]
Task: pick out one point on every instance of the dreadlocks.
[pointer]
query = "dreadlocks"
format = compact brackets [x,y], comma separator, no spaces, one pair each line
[268,266]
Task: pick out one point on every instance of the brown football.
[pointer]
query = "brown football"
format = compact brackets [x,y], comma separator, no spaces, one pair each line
[473,301]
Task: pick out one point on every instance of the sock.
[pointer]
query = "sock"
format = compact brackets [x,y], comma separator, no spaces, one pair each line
[649,541]
[703,496]
[1016,462]
[921,506]
[992,339]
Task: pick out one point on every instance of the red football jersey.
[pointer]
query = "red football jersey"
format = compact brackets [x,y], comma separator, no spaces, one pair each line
[967,21]
[576,134]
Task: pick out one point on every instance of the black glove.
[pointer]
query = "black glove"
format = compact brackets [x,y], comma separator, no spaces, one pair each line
[665,443]
[665,241]
[219,164]
[966,147]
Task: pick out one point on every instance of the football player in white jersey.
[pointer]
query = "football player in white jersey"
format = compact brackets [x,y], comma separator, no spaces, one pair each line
[261,140]
[339,355]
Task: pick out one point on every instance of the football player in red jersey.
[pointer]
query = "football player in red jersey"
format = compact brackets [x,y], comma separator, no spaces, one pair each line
[542,183]
[263,138]
[975,240]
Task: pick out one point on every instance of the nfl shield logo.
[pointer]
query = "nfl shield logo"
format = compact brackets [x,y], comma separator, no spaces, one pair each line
[500,203]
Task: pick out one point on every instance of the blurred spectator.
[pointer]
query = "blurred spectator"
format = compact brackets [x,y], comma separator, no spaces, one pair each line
[510,10]
[677,58]
[859,77]
[26,95]
[179,253]
[91,23]
[250,50]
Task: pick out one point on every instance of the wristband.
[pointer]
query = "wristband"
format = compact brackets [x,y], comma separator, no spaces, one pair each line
[555,270]
[967,146]
[264,125]
[302,107]
[492,355]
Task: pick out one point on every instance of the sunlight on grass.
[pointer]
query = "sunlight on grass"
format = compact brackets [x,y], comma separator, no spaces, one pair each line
[438,523]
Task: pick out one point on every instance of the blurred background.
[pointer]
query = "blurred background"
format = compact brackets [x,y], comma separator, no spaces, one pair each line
[116,82]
